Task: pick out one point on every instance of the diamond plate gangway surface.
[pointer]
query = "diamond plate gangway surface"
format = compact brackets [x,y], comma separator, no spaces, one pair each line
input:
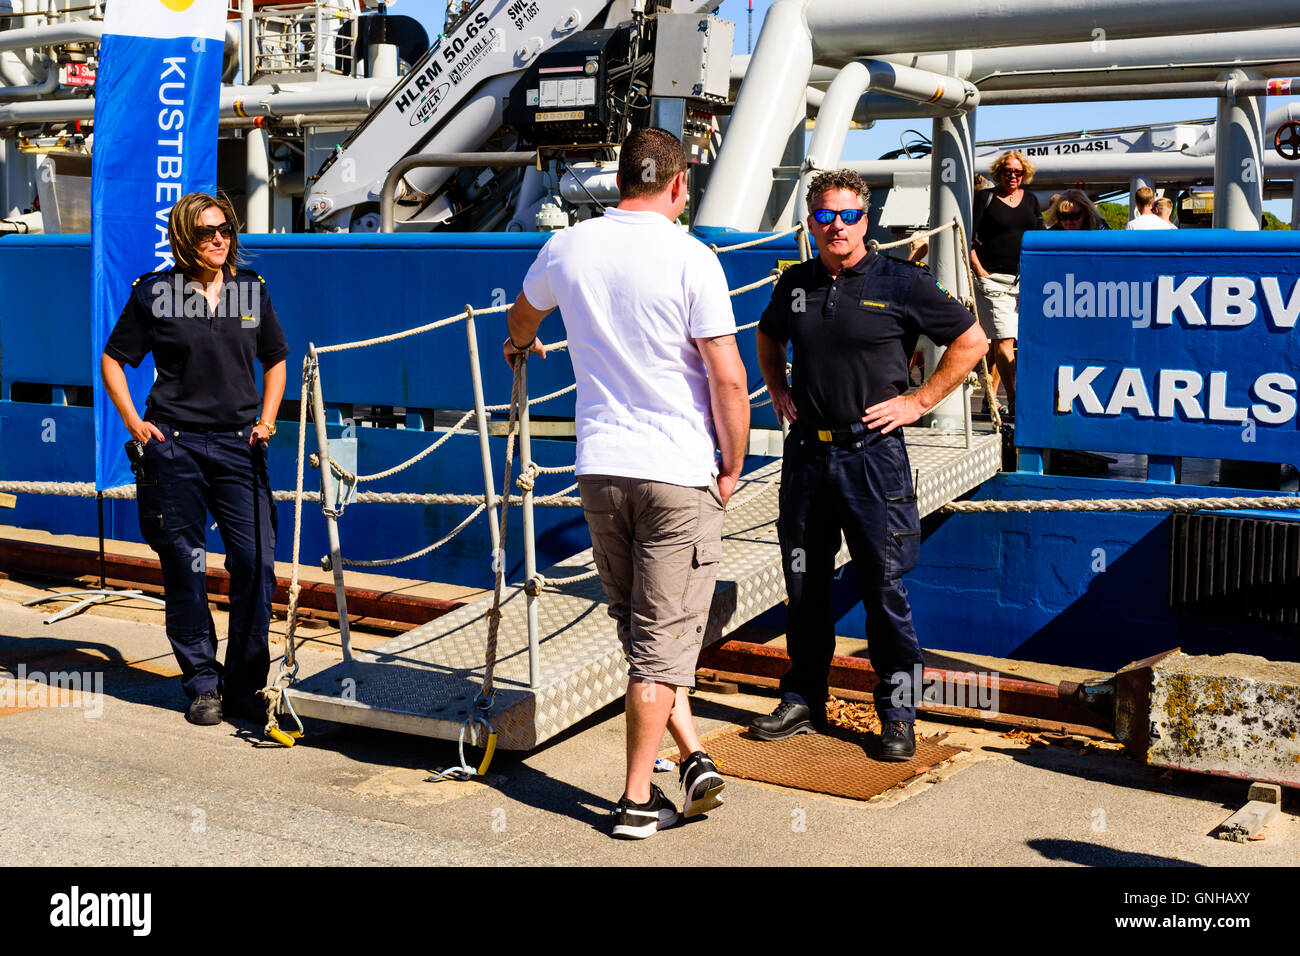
[424,682]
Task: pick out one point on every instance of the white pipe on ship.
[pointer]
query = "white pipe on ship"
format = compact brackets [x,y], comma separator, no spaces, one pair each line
[1107,61]
[773,90]
[1239,159]
[27,91]
[601,183]
[257,188]
[360,96]
[1090,168]
[952,181]
[1287,113]
[51,34]
[841,100]
[847,29]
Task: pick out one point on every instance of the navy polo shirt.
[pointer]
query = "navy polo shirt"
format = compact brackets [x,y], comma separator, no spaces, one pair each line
[204,357]
[853,335]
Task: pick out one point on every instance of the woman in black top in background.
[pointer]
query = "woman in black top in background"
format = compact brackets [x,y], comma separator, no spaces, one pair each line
[1001,217]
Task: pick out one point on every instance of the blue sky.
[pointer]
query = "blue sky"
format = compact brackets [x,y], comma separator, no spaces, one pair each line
[993,122]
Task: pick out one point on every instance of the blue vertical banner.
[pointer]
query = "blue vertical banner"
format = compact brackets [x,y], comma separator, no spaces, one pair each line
[157,96]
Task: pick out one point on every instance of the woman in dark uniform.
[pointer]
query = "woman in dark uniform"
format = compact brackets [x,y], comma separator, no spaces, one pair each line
[202,446]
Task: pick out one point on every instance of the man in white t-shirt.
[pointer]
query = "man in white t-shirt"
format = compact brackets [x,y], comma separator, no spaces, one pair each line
[661,387]
[1146,218]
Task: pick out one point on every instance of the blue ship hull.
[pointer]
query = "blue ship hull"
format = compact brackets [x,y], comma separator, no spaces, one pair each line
[1008,585]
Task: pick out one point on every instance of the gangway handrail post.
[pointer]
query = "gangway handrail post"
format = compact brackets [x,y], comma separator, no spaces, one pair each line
[485,451]
[530,551]
[317,40]
[327,496]
[958,248]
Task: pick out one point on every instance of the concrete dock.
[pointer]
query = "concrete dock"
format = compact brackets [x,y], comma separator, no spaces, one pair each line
[128,781]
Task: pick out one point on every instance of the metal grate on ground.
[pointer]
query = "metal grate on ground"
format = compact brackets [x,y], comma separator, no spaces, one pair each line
[837,763]
[423,681]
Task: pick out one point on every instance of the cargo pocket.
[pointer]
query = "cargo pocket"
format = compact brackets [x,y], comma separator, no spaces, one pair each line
[153,527]
[262,483]
[598,495]
[903,525]
[703,576]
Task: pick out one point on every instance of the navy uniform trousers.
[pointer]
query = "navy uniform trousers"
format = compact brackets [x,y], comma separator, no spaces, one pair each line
[863,488]
[179,481]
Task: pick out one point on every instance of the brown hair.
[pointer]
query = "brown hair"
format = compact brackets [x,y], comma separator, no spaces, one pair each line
[830,179]
[182,230]
[648,161]
[1009,155]
[1071,200]
[1144,197]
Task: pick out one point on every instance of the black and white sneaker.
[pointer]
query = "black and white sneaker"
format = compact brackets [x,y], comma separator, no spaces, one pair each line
[701,783]
[636,821]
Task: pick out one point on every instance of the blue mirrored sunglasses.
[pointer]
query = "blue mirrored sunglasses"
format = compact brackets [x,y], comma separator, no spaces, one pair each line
[847,216]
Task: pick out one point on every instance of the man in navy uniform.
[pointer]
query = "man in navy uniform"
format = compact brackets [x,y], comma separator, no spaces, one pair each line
[853,317]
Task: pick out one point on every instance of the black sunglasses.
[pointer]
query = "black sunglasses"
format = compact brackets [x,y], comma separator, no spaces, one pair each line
[208,233]
[847,216]
[1070,216]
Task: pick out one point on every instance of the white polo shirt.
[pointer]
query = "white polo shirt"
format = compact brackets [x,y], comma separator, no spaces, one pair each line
[634,291]
[1149,220]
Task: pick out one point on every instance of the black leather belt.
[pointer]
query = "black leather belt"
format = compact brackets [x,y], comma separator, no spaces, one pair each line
[845,435]
[195,426]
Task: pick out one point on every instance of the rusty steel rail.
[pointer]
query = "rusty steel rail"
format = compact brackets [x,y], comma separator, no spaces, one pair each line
[1041,706]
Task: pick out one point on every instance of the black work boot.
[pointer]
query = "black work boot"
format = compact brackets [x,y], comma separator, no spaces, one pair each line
[897,740]
[205,709]
[787,720]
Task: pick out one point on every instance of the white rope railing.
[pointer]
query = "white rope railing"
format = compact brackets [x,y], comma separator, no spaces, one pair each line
[915,237]
[407,333]
[535,401]
[798,227]
[766,280]
[382,563]
[357,479]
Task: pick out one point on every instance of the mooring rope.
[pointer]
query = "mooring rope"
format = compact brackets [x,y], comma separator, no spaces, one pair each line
[1273,503]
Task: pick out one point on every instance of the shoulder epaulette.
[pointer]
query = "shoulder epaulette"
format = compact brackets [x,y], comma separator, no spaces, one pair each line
[148,275]
[923,267]
[256,275]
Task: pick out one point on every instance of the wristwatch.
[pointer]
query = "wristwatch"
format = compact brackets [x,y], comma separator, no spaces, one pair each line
[270,427]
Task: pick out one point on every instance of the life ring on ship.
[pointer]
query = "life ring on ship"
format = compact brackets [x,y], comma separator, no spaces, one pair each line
[1286,141]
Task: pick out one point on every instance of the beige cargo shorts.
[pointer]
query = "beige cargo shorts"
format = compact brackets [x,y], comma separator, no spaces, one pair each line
[657,547]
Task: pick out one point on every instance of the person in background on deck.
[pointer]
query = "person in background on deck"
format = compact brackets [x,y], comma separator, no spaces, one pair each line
[202,446]
[1001,217]
[1164,208]
[1144,199]
[1073,211]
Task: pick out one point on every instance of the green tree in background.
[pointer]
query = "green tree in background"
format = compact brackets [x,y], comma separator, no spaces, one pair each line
[1116,216]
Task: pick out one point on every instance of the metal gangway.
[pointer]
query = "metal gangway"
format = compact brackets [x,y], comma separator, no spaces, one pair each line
[553,657]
